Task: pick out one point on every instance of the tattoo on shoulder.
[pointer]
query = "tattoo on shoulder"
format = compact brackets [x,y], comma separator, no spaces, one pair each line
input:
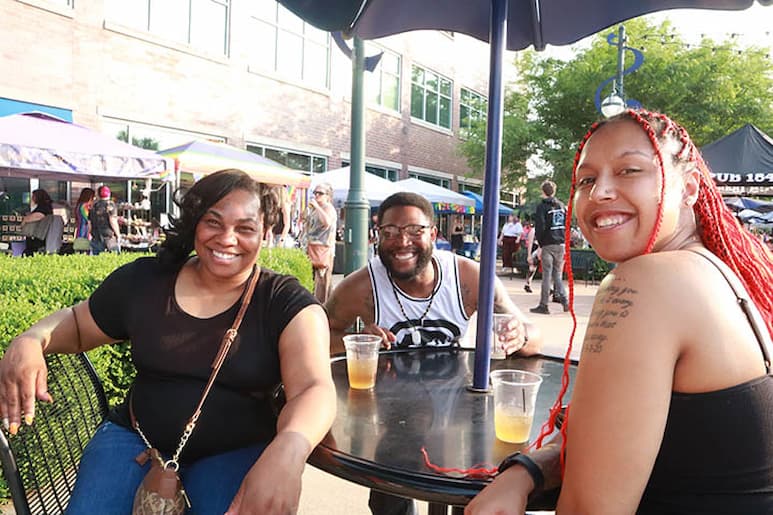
[612,305]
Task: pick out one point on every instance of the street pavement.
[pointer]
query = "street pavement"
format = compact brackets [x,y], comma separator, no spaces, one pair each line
[324,494]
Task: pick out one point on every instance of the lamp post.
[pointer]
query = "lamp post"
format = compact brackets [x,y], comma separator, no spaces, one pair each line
[616,102]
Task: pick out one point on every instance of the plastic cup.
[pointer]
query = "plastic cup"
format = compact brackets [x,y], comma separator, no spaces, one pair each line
[499,323]
[362,359]
[515,395]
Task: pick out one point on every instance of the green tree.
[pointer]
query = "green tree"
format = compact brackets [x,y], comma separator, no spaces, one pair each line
[711,89]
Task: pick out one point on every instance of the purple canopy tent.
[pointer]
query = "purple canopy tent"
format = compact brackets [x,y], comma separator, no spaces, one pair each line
[516,24]
[38,145]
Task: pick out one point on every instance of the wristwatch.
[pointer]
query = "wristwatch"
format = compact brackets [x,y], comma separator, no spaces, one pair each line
[526,462]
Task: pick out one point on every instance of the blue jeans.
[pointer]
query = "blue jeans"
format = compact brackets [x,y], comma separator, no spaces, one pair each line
[108,476]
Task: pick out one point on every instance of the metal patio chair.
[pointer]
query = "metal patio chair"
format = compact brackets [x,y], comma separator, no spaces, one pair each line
[40,463]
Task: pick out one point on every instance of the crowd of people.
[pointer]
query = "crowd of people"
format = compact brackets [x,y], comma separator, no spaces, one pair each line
[678,342]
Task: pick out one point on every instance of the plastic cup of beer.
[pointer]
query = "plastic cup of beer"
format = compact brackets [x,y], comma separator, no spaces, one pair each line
[515,396]
[499,327]
[362,359]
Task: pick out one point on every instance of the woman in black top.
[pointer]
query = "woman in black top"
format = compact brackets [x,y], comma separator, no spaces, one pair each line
[457,235]
[175,308]
[671,408]
[41,206]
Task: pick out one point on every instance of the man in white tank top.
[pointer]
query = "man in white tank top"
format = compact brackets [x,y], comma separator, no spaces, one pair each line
[413,295]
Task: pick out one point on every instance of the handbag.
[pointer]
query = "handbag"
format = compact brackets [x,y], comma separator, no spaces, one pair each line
[319,255]
[161,491]
[81,245]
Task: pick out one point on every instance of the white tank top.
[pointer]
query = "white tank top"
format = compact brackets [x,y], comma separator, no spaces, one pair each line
[445,323]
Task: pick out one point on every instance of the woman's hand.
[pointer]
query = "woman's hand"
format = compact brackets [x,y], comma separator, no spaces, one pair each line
[273,484]
[507,495]
[23,378]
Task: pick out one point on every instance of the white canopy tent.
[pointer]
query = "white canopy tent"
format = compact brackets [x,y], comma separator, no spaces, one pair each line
[375,188]
[435,194]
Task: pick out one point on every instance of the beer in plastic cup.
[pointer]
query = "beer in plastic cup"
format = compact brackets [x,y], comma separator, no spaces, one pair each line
[515,396]
[362,359]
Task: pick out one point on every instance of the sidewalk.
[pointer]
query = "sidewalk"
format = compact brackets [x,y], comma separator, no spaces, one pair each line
[324,494]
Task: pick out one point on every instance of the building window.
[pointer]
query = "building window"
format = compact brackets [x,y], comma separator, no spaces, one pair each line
[202,24]
[438,181]
[389,174]
[301,161]
[287,45]
[472,109]
[383,85]
[472,188]
[430,97]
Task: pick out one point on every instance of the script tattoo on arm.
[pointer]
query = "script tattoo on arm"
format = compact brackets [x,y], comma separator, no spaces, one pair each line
[614,304]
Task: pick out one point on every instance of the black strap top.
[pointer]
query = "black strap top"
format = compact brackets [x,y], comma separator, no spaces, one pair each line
[717,449]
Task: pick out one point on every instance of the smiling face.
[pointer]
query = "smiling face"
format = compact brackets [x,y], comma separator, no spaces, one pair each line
[229,234]
[406,256]
[617,196]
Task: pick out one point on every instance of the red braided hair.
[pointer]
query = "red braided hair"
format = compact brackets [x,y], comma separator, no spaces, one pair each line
[719,231]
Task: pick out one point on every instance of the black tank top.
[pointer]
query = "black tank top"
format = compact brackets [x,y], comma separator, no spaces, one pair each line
[717,450]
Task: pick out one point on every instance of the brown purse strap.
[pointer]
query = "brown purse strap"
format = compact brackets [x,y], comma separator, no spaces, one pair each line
[217,363]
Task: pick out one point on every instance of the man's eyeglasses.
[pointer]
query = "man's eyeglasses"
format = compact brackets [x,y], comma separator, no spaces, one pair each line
[316,193]
[391,231]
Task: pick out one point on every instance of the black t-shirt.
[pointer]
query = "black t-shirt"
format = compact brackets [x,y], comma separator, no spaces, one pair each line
[173,351]
[99,216]
[550,222]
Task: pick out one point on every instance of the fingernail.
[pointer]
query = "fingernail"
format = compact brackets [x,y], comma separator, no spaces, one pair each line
[14,428]
[28,419]
[5,423]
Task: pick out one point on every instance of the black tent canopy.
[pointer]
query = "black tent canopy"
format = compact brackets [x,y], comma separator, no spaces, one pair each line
[742,162]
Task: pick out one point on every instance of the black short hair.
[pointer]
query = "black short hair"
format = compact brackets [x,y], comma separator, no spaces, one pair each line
[406,198]
[196,201]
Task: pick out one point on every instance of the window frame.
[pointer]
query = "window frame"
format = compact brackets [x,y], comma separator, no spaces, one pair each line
[438,91]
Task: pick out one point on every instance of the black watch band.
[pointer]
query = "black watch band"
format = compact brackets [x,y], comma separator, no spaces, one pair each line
[526,462]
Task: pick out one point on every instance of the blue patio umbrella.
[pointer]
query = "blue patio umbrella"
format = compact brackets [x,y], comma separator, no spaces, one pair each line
[515,24]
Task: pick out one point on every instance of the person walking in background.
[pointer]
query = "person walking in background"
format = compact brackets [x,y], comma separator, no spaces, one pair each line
[104,223]
[82,226]
[40,206]
[457,235]
[320,239]
[509,239]
[549,230]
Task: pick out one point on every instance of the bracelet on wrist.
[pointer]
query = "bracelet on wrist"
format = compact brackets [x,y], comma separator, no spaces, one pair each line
[526,462]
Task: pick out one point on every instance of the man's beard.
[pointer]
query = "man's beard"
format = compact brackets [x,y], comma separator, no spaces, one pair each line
[423,258]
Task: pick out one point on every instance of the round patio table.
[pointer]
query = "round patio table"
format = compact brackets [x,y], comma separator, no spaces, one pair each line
[420,400]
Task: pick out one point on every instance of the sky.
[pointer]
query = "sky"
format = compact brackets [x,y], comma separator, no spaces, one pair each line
[753,26]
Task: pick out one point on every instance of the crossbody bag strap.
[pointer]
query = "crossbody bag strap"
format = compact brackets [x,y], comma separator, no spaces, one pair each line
[217,363]
[747,306]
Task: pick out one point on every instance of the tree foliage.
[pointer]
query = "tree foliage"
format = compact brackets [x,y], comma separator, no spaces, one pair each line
[712,89]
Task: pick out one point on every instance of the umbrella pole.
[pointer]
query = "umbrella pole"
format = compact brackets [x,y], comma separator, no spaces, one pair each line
[357,207]
[483,339]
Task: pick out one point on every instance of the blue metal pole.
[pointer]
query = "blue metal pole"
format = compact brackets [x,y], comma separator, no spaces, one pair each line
[488,258]
[620,61]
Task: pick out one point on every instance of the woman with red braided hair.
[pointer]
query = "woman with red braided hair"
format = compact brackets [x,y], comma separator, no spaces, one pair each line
[672,410]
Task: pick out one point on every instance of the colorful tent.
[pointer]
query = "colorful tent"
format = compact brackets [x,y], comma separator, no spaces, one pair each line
[503,210]
[201,157]
[38,145]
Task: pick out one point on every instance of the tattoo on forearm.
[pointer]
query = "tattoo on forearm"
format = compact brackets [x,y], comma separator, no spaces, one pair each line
[613,304]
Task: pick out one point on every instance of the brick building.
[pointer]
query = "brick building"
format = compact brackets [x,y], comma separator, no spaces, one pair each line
[246,72]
